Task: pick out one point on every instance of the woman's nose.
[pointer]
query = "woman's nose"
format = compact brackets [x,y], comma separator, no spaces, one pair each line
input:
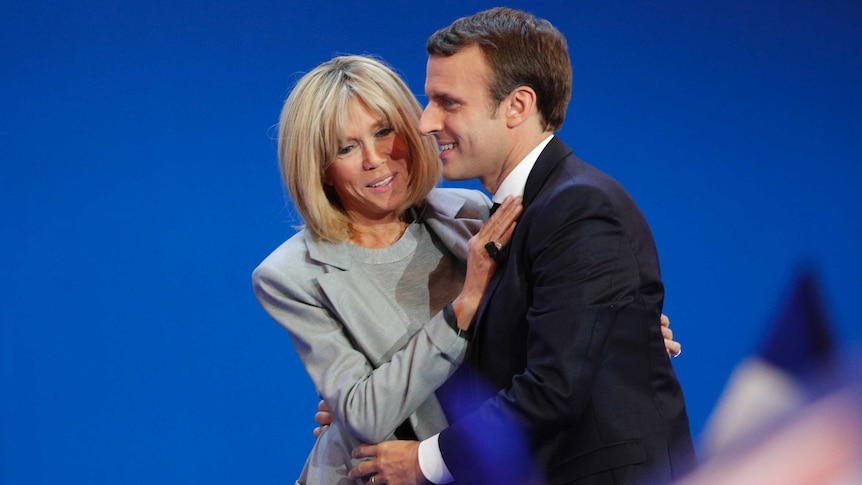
[374,156]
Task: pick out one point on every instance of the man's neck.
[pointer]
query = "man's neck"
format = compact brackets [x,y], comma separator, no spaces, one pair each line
[519,151]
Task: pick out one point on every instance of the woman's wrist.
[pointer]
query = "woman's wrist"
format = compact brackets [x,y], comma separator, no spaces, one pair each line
[465,308]
[449,314]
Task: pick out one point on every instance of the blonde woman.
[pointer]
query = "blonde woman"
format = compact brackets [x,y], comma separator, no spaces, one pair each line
[379,289]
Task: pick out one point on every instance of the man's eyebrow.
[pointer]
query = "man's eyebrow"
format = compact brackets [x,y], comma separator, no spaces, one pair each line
[441,95]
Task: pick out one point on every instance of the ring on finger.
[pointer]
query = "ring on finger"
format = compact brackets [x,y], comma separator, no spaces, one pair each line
[495,251]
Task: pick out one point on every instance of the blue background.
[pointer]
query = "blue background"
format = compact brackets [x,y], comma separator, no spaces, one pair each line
[139,188]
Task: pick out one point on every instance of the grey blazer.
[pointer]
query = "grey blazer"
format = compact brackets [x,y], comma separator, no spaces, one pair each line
[371,373]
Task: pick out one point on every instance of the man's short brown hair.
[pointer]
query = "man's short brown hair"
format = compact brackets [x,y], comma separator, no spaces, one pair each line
[522,50]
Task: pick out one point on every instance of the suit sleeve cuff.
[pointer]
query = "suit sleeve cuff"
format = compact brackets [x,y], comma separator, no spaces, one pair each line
[431,462]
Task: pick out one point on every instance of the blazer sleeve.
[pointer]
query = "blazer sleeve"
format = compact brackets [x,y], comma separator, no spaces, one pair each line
[369,393]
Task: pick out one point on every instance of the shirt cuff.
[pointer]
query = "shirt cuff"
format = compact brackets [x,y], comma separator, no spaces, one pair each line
[431,462]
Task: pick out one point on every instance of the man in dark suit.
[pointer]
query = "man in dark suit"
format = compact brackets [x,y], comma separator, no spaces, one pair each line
[566,359]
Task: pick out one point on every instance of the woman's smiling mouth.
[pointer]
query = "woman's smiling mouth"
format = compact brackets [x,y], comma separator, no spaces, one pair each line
[382,182]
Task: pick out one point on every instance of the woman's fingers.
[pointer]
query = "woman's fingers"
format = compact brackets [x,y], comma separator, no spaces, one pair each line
[500,226]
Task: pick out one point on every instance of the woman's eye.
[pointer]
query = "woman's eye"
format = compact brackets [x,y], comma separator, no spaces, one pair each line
[345,150]
[385,132]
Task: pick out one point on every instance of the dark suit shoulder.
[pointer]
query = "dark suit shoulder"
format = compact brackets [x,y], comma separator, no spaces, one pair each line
[574,188]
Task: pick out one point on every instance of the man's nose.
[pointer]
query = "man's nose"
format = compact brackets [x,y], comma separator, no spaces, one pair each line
[429,123]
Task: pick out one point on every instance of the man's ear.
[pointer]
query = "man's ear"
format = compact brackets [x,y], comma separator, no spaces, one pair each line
[520,104]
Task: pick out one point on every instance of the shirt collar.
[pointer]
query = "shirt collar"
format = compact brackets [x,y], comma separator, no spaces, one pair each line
[515,182]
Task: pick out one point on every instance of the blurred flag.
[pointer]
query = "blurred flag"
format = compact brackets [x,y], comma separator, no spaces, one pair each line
[820,444]
[772,383]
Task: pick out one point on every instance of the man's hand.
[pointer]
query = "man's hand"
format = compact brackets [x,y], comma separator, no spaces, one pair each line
[673,347]
[323,418]
[393,463]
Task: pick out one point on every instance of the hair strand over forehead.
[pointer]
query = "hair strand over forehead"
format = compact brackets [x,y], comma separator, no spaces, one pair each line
[521,50]
[312,127]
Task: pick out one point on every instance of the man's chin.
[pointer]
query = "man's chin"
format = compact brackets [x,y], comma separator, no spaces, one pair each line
[453,175]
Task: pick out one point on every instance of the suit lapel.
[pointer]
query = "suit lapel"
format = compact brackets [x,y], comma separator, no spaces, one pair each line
[553,154]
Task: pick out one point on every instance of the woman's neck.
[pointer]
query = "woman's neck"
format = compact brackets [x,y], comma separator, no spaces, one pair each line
[375,236]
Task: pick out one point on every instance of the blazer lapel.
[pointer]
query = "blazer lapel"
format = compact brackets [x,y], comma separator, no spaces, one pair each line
[369,318]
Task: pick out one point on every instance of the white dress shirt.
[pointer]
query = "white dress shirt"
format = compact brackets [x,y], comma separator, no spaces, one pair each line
[430,459]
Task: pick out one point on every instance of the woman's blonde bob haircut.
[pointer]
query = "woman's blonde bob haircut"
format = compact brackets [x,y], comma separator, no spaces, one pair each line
[312,126]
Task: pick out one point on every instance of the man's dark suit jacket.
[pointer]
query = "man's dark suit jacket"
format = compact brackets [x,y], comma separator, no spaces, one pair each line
[568,364]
